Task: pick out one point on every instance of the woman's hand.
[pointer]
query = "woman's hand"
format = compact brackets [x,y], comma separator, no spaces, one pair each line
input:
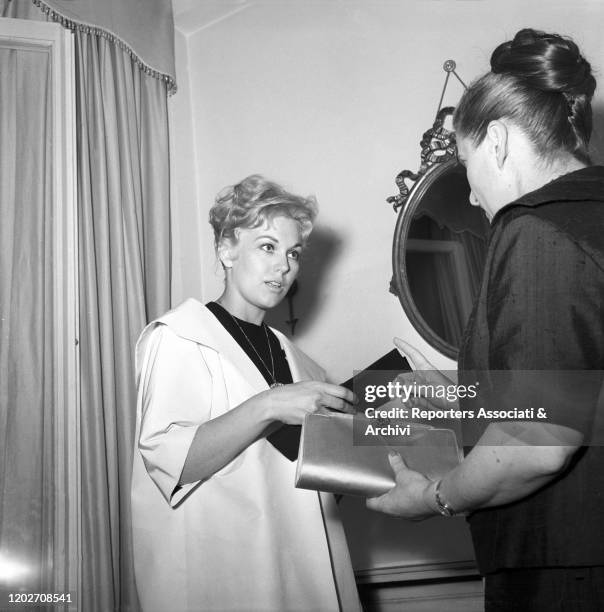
[423,373]
[291,403]
[222,438]
[411,498]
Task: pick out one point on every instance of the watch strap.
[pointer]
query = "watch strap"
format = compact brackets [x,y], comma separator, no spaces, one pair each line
[443,507]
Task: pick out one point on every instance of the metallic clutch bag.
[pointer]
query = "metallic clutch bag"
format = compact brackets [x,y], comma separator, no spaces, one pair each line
[335,457]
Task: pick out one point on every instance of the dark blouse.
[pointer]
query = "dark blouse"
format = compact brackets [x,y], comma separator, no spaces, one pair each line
[253,340]
[540,309]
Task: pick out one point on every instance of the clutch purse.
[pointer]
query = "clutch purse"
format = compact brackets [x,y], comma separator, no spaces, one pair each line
[330,460]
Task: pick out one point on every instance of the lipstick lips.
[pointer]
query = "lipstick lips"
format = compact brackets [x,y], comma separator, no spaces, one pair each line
[274,284]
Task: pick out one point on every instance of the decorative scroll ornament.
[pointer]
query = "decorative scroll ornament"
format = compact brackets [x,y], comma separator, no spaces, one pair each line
[438,145]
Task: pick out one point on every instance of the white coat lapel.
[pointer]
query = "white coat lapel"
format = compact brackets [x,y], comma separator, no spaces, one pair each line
[192,320]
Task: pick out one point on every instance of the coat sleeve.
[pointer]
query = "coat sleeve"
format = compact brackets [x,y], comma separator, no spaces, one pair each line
[175,391]
[546,331]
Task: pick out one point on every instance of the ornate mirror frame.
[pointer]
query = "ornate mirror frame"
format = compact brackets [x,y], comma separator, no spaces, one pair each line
[438,156]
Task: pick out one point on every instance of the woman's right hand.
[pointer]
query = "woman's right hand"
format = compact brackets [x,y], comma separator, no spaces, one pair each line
[423,374]
[291,403]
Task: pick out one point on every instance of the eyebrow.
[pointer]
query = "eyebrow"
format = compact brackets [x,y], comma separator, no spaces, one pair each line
[269,237]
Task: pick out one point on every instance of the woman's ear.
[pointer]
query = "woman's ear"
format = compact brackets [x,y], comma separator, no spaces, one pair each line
[227,252]
[497,135]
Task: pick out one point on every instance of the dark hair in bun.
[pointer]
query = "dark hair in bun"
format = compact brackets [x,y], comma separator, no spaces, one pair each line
[543,84]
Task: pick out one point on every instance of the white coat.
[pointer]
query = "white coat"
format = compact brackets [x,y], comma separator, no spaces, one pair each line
[245,539]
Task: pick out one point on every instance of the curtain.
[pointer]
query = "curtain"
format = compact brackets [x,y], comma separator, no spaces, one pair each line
[143,29]
[27,359]
[440,294]
[435,293]
[20,9]
[124,281]
[124,258]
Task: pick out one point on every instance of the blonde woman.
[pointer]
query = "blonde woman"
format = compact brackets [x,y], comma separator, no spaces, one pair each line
[218,523]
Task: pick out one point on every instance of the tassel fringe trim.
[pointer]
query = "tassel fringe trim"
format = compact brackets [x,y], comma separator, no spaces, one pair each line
[89,29]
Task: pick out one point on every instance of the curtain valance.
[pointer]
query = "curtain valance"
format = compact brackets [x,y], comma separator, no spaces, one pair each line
[143,28]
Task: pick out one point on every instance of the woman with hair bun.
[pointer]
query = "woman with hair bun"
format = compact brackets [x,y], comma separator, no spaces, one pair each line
[218,524]
[532,486]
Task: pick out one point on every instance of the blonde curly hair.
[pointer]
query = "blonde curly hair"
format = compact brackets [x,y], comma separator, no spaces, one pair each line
[254,201]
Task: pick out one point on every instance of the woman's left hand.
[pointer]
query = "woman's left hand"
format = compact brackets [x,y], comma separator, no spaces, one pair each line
[411,498]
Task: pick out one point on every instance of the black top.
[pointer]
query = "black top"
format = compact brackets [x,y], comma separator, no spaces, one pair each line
[540,309]
[249,337]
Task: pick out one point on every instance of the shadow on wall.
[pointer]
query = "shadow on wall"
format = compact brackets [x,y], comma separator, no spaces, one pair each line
[596,146]
[324,247]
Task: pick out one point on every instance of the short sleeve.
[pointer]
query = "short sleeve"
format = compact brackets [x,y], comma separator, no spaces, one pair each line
[175,397]
[546,332]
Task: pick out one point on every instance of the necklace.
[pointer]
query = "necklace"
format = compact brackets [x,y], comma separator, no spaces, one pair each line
[270,372]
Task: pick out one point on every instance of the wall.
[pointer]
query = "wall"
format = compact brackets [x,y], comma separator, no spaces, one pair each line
[186,214]
[332,98]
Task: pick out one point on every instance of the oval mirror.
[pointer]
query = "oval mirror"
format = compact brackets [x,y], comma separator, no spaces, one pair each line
[439,246]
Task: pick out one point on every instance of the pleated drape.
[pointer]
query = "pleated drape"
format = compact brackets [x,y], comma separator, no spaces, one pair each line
[124,258]
[27,358]
[124,281]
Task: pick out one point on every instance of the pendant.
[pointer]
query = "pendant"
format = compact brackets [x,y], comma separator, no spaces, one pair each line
[276,384]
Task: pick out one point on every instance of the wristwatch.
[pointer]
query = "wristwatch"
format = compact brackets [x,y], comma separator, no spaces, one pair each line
[443,507]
